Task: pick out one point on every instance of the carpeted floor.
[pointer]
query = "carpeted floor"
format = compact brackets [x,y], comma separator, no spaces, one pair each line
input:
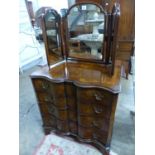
[30,124]
[55,145]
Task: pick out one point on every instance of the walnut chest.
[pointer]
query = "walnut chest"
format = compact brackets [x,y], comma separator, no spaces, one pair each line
[78,99]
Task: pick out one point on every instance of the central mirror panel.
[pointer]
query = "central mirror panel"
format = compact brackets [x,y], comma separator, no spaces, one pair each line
[86,24]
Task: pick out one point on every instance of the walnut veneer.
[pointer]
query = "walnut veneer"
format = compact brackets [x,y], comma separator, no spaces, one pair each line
[79,100]
[78,97]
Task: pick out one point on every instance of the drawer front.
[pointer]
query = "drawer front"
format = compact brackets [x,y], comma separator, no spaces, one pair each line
[48,110]
[93,109]
[59,102]
[85,95]
[52,110]
[86,121]
[94,122]
[41,84]
[102,124]
[44,97]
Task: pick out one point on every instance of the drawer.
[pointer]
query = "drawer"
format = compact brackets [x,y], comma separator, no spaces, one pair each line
[94,96]
[72,115]
[85,133]
[60,102]
[102,124]
[86,121]
[41,84]
[94,122]
[62,125]
[49,109]
[94,109]
[54,111]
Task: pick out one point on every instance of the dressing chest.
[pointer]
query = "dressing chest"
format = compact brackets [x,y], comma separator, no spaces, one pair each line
[77,92]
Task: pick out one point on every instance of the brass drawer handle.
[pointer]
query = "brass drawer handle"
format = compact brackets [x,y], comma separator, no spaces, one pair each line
[95,124]
[98,97]
[51,110]
[98,110]
[48,99]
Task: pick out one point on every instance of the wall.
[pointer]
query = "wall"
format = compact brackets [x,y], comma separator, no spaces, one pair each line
[29,48]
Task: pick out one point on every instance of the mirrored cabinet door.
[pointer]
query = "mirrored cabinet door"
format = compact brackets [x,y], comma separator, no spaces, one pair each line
[52,35]
[85,25]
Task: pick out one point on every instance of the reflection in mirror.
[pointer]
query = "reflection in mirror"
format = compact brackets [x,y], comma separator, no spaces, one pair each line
[86,31]
[51,23]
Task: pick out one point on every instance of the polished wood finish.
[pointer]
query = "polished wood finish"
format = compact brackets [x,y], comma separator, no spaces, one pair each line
[84,73]
[78,99]
[77,96]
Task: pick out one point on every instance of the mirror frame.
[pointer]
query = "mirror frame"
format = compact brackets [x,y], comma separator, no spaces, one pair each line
[66,33]
[58,31]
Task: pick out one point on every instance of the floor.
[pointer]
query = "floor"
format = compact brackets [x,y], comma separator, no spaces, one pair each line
[30,123]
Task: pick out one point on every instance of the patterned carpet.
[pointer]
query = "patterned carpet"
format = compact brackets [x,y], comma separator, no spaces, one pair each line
[55,145]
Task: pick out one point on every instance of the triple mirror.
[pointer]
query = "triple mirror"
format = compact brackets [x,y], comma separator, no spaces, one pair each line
[83,32]
[86,27]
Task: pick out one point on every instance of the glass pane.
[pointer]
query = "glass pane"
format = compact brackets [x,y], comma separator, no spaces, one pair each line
[86,31]
[52,33]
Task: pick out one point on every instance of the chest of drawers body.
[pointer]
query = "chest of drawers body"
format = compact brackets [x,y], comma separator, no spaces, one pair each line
[71,105]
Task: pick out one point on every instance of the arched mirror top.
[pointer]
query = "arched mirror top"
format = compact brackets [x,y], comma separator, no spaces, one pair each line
[51,15]
[86,24]
[52,34]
